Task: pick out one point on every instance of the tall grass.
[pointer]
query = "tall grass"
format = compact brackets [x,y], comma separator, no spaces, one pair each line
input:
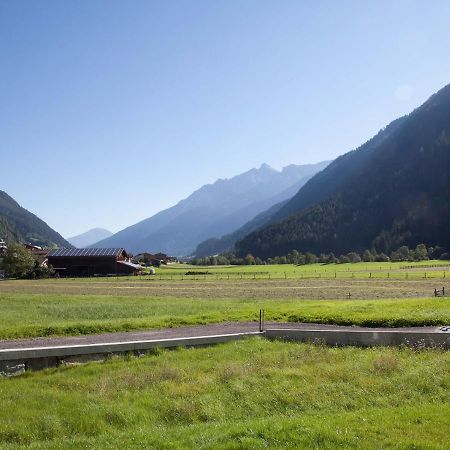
[246,394]
[26,315]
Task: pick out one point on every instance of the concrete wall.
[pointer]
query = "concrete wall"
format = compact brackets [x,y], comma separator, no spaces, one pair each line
[364,338]
[14,360]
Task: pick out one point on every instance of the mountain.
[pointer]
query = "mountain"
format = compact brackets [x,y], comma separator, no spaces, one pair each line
[394,190]
[90,237]
[213,210]
[19,225]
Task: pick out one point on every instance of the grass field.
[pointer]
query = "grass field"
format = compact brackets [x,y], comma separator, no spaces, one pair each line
[32,308]
[46,315]
[399,270]
[243,395]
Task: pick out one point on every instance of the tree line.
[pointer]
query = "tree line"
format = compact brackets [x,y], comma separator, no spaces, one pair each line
[420,253]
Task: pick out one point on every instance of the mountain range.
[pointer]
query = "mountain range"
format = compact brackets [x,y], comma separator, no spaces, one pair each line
[213,210]
[89,237]
[394,190]
[19,225]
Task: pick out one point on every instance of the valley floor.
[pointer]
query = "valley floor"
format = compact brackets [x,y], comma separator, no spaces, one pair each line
[366,294]
[248,394]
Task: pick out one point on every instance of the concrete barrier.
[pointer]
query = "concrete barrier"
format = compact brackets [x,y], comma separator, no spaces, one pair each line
[364,338]
[19,359]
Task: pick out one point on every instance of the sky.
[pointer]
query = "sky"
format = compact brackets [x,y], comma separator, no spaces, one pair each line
[111,111]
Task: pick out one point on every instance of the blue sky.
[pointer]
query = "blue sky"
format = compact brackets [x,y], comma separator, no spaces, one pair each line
[113,110]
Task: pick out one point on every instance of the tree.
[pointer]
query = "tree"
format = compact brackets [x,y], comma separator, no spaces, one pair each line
[367,256]
[18,262]
[310,258]
[249,260]
[420,253]
[293,257]
[382,258]
[344,259]
[402,254]
[354,257]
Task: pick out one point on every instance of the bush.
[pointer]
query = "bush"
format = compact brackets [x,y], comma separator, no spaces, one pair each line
[18,261]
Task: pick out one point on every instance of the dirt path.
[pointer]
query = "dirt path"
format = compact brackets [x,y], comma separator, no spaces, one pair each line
[192,331]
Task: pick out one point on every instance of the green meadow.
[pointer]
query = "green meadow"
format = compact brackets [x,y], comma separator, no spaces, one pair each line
[33,315]
[250,394]
[399,270]
[315,293]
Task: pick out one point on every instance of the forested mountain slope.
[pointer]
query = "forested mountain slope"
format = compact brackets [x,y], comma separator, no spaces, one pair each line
[19,225]
[393,190]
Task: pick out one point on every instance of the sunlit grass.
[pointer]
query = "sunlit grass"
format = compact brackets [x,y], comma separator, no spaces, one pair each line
[247,394]
[28,315]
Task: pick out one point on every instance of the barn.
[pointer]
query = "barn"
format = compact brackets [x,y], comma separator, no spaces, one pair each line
[85,262]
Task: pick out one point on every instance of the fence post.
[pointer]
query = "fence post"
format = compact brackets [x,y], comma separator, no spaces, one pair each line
[261,320]
[443,291]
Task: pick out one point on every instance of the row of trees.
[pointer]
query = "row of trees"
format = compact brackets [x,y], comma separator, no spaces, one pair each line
[404,253]
[18,262]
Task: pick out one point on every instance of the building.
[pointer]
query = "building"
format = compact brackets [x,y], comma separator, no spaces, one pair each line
[39,253]
[85,262]
[154,259]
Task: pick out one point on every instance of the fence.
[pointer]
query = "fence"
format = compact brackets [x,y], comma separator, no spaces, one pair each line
[440,292]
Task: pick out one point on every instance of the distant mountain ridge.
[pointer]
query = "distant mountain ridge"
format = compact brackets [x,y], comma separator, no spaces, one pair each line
[394,190]
[89,237]
[213,210]
[19,225]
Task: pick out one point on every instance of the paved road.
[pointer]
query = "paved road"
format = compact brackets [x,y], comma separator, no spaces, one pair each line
[191,331]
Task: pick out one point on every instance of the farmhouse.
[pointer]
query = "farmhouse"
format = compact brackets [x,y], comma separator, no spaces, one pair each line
[91,261]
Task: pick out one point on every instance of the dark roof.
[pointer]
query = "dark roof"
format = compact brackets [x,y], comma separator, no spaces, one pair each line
[111,252]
